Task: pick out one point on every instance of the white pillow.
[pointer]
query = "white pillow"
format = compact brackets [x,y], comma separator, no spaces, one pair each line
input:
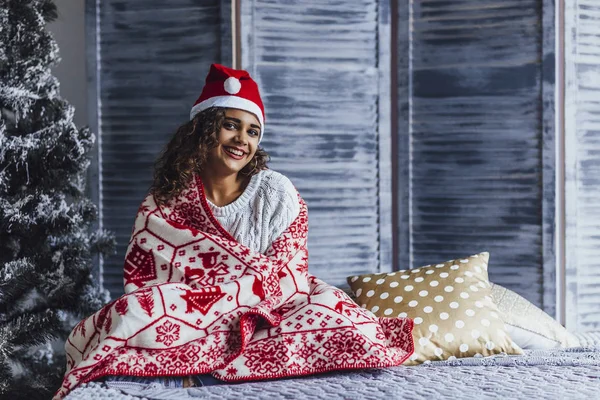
[529,326]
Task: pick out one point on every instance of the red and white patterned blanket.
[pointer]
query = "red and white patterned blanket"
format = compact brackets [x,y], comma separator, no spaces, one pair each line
[198,302]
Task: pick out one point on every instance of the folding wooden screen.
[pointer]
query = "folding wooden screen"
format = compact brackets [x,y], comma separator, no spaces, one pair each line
[417,131]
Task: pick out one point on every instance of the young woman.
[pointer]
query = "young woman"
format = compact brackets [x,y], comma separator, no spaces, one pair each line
[220,144]
[217,286]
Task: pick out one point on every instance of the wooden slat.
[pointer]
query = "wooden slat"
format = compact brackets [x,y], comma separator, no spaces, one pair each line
[93,172]
[323,69]
[151,57]
[582,163]
[551,220]
[471,133]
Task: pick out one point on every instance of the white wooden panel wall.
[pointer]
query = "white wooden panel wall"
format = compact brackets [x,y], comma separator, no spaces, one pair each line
[582,163]
[323,68]
[474,152]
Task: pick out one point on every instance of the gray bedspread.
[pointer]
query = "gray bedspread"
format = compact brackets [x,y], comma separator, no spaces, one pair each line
[549,374]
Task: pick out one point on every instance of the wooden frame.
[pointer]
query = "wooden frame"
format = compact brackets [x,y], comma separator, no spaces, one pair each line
[549,143]
[93,83]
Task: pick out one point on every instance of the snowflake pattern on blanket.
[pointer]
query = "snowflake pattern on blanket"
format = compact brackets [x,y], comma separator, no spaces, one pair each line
[197,301]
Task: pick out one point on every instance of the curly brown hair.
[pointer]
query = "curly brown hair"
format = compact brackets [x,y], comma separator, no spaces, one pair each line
[187,152]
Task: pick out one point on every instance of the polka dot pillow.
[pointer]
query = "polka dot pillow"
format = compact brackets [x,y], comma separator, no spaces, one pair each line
[450,303]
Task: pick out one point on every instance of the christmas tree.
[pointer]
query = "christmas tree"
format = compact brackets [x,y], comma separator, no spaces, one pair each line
[46,248]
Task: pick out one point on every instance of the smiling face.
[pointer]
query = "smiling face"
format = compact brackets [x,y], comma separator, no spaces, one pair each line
[237,142]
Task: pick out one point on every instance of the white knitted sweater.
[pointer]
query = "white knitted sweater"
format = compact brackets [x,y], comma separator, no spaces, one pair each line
[265,209]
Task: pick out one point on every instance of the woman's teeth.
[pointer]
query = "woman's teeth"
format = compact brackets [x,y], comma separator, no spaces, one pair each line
[234,152]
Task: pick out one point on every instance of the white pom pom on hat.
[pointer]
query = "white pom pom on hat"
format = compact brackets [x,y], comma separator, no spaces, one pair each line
[232,85]
[230,88]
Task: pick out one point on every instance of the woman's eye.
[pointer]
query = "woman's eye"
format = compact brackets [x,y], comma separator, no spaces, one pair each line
[254,133]
[229,125]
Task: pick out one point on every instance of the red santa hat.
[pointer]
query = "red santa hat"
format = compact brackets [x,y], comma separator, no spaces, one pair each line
[230,88]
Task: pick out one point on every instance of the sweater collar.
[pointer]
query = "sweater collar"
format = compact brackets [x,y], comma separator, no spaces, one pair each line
[243,200]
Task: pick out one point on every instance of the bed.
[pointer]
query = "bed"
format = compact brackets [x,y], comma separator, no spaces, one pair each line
[571,373]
